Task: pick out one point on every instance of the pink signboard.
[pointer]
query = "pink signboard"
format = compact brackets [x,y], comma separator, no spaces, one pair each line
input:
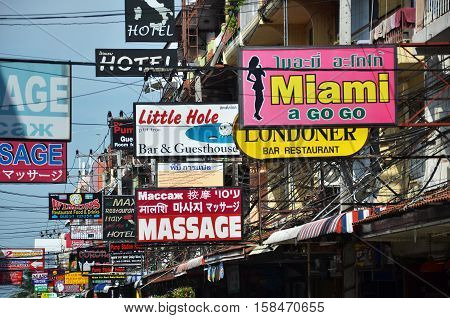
[331,86]
[33,162]
[189,215]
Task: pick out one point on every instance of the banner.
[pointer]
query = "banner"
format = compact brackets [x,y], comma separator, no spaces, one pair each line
[181,130]
[150,21]
[22,253]
[190,175]
[323,86]
[131,63]
[33,162]
[118,218]
[300,143]
[35,101]
[189,215]
[64,206]
[122,134]
[86,232]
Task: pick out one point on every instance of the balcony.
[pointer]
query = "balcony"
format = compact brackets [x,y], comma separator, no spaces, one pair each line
[433,21]
[396,28]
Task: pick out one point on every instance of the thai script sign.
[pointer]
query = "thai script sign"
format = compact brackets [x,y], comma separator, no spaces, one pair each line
[33,162]
[150,21]
[317,86]
[184,130]
[190,175]
[86,232]
[300,143]
[131,63]
[118,218]
[35,101]
[63,206]
[188,215]
[122,134]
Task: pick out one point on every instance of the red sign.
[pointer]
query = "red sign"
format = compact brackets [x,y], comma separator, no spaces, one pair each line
[33,162]
[11,278]
[189,215]
[22,253]
[107,269]
[18,265]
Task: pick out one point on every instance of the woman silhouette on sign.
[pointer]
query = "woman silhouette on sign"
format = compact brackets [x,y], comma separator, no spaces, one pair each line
[254,68]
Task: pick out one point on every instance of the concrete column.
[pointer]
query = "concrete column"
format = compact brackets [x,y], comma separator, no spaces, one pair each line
[345,22]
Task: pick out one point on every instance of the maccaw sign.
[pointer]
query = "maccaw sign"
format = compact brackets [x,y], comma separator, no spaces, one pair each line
[182,130]
[277,143]
[329,86]
[189,215]
[35,101]
[33,162]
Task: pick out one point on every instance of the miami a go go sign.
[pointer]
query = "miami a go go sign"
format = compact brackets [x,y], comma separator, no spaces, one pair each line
[300,143]
[317,86]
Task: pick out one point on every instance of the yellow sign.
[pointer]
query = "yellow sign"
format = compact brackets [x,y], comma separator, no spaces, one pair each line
[300,143]
[75,278]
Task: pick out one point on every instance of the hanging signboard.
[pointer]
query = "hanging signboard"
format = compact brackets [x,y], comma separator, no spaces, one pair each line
[88,257]
[75,278]
[35,101]
[190,174]
[128,258]
[177,130]
[118,218]
[188,215]
[330,86]
[22,253]
[122,134]
[18,265]
[65,206]
[11,278]
[86,232]
[150,21]
[33,162]
[300,143]
[131,63]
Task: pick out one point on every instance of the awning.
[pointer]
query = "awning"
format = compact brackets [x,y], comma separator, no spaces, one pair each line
[191,264]
[337,224]
[288,236]
[228,254]
[261,249]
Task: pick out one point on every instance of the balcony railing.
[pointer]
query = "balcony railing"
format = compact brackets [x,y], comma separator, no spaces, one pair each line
[396,28]
[435,9]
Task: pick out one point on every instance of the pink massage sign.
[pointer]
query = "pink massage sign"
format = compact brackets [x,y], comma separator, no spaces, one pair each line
[337,86]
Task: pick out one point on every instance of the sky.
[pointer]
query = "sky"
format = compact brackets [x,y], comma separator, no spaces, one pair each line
[18,228]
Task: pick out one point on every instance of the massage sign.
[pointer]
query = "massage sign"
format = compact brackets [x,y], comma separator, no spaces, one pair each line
[282,87]
[64,206]
[189,215]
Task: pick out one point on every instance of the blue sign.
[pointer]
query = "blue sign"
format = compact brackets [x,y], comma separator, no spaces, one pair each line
[35,101]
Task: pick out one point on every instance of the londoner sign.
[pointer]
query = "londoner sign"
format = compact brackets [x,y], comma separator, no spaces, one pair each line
[331,86]
[300,143]
[189,215]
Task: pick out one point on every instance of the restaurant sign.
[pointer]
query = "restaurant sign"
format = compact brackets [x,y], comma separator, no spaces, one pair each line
[329,86]
[300,143]
[188,215]
[63,206]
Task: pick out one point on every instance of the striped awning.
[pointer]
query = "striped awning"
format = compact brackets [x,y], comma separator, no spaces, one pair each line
[339,224]
[191,264]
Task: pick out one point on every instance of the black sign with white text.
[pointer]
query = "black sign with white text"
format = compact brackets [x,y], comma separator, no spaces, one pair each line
[131,63]
[149,21]
[122,134]
[118,218]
